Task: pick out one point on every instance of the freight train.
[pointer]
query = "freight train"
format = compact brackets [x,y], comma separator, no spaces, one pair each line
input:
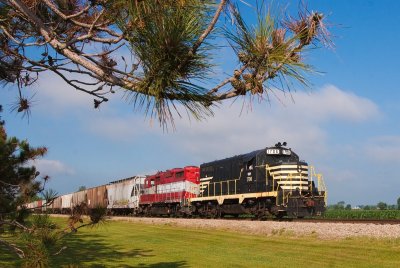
[271,182]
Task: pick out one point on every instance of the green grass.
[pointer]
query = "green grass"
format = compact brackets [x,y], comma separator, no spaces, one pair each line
[362,214]
[123,244]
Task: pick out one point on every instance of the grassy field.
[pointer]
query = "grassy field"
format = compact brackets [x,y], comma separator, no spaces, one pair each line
[122,244]
[362,214]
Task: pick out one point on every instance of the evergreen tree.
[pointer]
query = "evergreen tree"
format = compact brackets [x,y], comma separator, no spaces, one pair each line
[37,239]
[18,179]
[171,42]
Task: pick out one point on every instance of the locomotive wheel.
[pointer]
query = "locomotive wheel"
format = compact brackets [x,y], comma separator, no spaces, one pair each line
[201,213]
[215,213]
[280,215]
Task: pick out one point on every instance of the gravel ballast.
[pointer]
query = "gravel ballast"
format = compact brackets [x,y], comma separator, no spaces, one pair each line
[269,228]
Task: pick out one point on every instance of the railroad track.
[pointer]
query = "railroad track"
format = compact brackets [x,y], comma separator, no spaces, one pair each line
[370,221]
[322,220]
[312,220]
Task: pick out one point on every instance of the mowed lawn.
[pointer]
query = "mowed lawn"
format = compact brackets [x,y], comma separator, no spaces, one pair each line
[124,244]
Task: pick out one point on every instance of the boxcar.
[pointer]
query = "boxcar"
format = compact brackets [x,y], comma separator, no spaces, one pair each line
[78,198]
[97,196]
[66,204]
[56,205]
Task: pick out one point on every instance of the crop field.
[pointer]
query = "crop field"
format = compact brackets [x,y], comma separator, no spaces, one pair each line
[362,214]
[128,244]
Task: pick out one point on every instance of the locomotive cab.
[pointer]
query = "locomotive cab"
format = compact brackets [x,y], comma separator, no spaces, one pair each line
[297,195]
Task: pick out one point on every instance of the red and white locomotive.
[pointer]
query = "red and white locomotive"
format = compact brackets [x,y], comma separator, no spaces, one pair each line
[168,192]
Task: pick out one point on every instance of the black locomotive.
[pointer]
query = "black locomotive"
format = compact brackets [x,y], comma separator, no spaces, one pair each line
[270,181]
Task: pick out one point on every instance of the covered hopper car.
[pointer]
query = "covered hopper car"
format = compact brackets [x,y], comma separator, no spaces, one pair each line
[123,195]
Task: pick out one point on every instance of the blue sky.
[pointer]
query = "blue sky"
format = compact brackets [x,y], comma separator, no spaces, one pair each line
[347,125]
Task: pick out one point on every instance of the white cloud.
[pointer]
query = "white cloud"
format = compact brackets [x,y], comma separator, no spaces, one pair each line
[54,92]
[299,123]
[233,131]
[52,167]
[343,175]
[384,149]
[116,128]
[333,103]
[228,133]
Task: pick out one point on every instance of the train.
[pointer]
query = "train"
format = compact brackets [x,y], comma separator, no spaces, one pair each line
[270,182]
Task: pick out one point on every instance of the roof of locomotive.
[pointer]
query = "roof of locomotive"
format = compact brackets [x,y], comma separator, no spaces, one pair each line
[127,179]
[248,156]
[172,171]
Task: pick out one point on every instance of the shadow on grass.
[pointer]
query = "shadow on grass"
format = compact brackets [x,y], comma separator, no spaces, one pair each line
[92,250]
[178,264]
[8,258]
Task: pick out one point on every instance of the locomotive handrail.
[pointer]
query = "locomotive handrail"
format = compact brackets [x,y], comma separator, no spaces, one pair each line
[321,183]
[221,183]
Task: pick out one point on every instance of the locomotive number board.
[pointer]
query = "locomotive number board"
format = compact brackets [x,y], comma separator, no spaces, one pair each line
[279,151]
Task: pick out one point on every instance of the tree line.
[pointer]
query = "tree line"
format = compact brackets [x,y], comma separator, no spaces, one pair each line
[341,205]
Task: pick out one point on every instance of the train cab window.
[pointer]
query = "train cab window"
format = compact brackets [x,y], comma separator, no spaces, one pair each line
[179,174]
[152,181]
[249,166]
